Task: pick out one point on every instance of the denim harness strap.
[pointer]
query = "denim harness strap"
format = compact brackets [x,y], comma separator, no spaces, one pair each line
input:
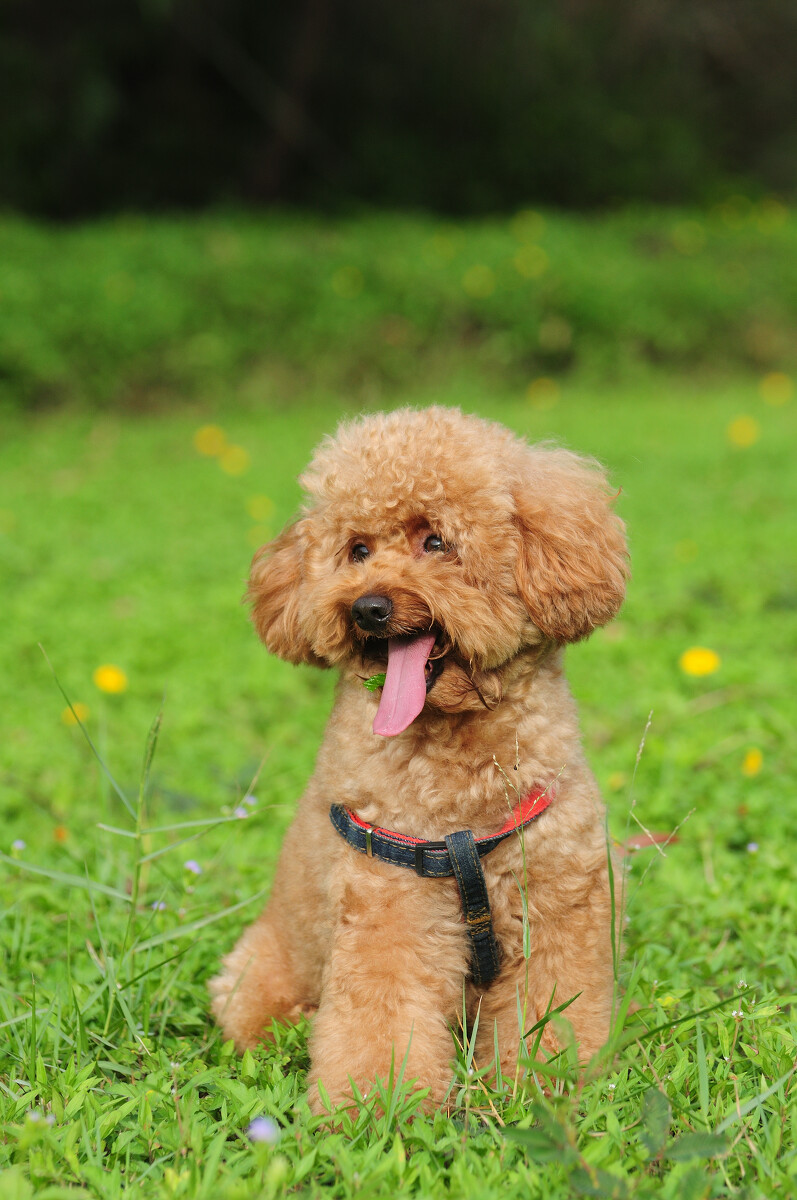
[485,953]
[460,855]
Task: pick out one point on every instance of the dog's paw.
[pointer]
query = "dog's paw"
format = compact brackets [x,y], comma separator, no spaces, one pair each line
[237,1008]
[244,1006]
[222,990]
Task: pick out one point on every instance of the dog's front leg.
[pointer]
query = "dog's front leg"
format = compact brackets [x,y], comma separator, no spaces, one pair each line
[570,961]
[392,982]
[274,971]
[258,983]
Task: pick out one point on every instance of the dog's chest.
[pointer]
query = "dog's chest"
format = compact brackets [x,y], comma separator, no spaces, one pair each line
[423,798]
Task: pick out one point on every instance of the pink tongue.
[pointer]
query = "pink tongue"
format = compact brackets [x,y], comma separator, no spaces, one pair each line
[404,691]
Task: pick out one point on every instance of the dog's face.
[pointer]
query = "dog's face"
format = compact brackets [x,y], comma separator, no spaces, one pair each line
[437,547]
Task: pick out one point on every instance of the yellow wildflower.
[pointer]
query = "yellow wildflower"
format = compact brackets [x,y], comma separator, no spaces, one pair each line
[744,431]
[752,762]
[442,245]
[259,535]
[555,334]
[78,712]
[234,460]
[543,392]
[776,388]
[528,225]
[111,679]
[531,262]
[698,660]
[479,281]
[260,508]
[210,440]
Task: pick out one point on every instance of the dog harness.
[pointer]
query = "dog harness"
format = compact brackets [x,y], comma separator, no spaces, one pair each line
[460,855]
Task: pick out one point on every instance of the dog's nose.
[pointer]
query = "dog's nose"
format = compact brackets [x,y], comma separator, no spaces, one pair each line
[371,613]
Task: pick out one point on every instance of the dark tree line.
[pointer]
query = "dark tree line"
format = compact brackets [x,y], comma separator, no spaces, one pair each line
[457,105]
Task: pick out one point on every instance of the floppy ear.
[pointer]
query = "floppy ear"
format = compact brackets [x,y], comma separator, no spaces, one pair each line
[573,561]
[274,592]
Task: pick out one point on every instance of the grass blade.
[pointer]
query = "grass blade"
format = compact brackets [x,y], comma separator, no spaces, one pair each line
[172,935]
[78,881]
[85,732]
[737,1114]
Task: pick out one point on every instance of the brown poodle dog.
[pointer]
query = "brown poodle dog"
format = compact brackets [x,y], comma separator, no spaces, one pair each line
[444,552]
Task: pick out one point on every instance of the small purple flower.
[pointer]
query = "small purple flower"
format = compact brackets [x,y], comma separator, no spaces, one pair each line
[263,1129]
[752,847]
[250,800]
[241,813]
[35,1116]
[158,905]
[193,866]
[18,845]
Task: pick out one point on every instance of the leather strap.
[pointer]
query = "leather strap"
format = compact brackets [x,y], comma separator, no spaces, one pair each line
[485,952]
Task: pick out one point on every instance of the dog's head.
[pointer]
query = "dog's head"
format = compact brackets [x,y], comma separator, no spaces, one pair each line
[437,547]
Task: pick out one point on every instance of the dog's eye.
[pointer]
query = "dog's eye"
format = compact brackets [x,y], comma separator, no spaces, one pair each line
[433,544]
[359,552]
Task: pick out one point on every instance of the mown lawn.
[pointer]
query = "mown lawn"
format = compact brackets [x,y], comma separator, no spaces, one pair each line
[121,544]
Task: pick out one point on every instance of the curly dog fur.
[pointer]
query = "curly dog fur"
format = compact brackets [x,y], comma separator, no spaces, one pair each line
[505,552]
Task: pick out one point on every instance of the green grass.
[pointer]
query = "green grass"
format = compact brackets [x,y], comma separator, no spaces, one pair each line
[134,313]
[121,544]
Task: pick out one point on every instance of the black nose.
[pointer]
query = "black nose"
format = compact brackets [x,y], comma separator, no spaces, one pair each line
[371,613]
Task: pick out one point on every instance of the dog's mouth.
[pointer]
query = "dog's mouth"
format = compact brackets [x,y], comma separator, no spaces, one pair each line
[413,664]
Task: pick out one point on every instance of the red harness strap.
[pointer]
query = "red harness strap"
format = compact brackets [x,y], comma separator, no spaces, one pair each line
[526,810]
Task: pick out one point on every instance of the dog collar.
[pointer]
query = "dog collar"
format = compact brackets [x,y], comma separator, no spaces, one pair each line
[460,855]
